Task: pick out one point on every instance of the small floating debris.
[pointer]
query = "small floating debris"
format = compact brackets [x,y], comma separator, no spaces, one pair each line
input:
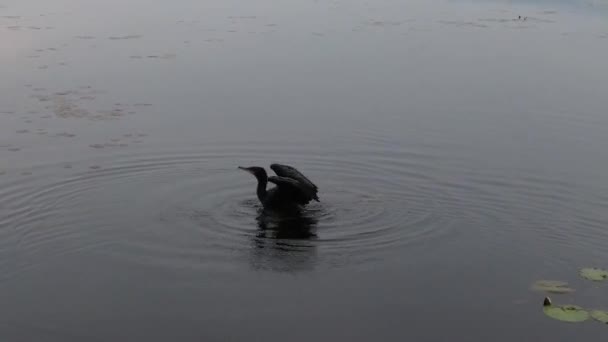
[593,273]
[552,286]
[132,36]
[65,134]
[243,17]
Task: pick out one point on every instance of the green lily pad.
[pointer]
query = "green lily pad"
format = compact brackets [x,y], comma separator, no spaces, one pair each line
[566,313]
[595,274]
[601,316]
[552,286]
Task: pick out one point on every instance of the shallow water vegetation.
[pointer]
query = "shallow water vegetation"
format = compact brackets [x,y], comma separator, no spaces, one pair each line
[594,274]
[600,316]
[552,286]
[567,313]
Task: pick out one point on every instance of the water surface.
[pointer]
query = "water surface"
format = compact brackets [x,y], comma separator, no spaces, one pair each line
[460,154]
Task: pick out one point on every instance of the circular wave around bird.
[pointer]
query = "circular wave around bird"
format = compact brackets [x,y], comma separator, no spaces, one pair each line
[192,209]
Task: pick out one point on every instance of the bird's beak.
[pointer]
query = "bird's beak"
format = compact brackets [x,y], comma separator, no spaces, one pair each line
[244,169]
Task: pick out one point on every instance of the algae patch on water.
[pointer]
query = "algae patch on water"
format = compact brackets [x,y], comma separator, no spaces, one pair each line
[552,286]
[593,273]
[600,316]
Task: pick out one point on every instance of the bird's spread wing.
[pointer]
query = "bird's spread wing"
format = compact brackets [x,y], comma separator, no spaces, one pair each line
[290,188]
[284,181]
[295,179]
[291,172]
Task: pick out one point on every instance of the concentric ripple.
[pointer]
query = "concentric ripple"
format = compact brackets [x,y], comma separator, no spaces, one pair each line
[191,209]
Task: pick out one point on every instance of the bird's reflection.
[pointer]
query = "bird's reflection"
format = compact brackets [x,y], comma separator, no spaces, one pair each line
[295,225]
[284,242]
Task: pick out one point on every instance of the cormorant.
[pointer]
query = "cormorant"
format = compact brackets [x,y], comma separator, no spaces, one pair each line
[292,189]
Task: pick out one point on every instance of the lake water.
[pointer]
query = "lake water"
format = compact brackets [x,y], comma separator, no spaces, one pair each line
[461,154]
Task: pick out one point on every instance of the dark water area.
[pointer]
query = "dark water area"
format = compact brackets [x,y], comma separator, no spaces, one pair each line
[460,152]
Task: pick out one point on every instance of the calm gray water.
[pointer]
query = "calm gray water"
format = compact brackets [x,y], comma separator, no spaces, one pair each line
[461,155]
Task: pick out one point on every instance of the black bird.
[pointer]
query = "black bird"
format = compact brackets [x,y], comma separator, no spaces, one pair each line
[292,189]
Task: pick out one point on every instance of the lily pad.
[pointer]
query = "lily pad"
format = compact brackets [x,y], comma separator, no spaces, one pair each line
[566,313]
[593,273]
[552,286]
[601,316]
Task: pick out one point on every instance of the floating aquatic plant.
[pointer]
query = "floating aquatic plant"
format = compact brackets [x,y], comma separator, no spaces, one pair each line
[552,286]
[569,312]
[566,313]
[600,316]
[593,273]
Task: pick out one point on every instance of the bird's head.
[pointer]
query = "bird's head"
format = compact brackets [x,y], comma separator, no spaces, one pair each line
[257,171]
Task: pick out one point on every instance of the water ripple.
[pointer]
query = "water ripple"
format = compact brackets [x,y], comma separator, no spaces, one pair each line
[195,209]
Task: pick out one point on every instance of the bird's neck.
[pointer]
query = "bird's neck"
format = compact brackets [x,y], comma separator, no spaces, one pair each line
[261,191]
